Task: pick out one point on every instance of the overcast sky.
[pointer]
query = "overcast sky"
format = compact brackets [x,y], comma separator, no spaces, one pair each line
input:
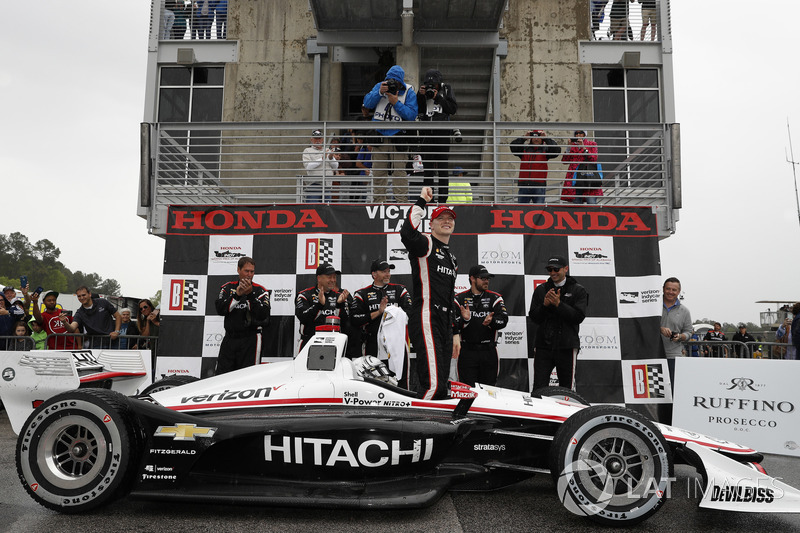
[72,85]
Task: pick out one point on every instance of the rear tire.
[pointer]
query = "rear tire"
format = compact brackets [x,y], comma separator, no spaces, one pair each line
[559,393]
[75,451]
[168,382]
[611,464]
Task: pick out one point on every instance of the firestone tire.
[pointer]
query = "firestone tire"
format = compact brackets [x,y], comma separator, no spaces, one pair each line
[167,383]
[75,451]
[611,464]
[559,393]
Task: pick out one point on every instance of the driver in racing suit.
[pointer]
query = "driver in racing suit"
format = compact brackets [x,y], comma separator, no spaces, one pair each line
[433,270]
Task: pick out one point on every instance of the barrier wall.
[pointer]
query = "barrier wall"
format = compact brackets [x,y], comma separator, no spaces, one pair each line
[612,251]
[749,401]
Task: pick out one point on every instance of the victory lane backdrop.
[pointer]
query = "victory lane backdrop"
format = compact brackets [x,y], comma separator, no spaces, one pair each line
[612,251]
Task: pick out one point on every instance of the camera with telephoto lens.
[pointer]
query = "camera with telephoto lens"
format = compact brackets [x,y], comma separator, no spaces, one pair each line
[430,90]
[392,86]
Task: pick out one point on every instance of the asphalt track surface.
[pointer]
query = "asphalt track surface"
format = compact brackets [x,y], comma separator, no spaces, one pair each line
[529,506]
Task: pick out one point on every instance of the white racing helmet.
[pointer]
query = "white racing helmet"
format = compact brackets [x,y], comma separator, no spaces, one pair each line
[370,366]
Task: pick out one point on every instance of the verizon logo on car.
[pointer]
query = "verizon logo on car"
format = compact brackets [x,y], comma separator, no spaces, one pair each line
[228,395]
[329,452]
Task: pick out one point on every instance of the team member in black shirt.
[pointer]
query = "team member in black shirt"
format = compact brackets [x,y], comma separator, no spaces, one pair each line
[370,302]
[482,314]
[316,303]
[246,308]
[558,307]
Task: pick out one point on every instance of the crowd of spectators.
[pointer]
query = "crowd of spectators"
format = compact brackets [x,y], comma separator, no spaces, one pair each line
[184,19]
[621,13]
[33,320]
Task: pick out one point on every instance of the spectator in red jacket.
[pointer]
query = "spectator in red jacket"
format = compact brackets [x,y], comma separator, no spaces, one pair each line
[581,150]
[534,150]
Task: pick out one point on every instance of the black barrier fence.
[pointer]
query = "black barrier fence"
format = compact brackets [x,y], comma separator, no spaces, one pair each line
[736,349]
[17,344]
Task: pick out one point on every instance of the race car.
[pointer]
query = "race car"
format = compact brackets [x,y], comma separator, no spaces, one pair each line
[322,430]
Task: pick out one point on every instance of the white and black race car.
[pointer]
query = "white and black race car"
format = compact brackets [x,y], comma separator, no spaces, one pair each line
[322,430]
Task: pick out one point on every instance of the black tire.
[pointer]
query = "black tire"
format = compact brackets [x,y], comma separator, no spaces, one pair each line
[559,393]
[611,464]
[168,382]
[78,450]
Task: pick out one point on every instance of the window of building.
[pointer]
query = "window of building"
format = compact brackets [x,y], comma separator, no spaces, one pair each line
[628,96]
[192,94]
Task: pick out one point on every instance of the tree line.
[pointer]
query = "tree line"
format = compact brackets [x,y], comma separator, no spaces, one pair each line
[39,261]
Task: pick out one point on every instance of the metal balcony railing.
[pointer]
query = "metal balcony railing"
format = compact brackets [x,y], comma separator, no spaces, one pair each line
[208,19]
[622,20]
[236,163]
[197,19]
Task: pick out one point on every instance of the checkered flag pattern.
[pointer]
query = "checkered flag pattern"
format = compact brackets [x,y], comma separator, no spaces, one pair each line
[612,252]
[190,292]
[655,381]
[326,251]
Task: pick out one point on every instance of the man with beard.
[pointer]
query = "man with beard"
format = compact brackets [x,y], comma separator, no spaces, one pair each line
[482,314]
[55,321]
[558,307]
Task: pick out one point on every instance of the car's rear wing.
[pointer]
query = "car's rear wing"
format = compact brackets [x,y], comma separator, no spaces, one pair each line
[29,378]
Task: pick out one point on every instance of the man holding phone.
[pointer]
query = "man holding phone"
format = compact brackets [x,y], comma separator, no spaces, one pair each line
[676,324]
[535,149]
[55,321]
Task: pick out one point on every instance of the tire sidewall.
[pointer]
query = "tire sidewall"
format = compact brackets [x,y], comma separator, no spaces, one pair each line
[166,383]
[582,426]
[41,477]
[559,393]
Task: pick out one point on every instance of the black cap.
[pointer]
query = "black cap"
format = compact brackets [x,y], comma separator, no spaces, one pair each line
[8,289]
[556,261]
[316,133]
[479,271]
[48,293]
[326,268]
[380,264]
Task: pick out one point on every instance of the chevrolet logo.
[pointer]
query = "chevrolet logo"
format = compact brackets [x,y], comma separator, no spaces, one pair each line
[184,431]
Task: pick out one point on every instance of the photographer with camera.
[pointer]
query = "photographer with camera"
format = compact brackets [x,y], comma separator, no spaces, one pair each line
[534,150]
[581,150]
[436,102]
[393,101]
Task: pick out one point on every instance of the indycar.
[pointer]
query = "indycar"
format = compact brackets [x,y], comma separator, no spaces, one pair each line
[322,430]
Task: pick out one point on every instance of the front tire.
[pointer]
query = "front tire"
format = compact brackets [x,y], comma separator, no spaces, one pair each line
[611,464]
[75,451]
